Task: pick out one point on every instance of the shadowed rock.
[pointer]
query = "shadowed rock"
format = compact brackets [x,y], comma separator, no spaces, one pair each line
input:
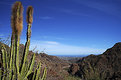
[106,66]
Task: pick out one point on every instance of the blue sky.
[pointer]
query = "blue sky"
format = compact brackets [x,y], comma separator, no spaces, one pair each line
[68,27]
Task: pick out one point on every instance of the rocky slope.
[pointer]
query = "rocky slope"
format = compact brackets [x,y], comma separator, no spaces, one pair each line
[56,67]
[106,66]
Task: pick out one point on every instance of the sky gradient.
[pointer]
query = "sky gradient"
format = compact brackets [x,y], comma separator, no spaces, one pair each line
[68,27]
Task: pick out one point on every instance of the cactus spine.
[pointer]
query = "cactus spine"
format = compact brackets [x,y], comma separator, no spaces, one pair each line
[11,70]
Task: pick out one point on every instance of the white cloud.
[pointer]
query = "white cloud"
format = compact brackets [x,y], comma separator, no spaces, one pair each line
[51,42]
[52,37]
[56,48]
[1,35]
[101,5]
[73,12]
[46,17]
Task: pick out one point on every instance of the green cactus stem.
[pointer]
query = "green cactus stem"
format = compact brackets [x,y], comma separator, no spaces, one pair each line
[11,56]
[26,50]
[17,25]
[14,59]
[17,40]
[4,62]
[44,75]
[0,73]
[38,71]
[31,65]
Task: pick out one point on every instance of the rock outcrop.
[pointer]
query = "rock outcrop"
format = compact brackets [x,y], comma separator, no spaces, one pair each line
[106,66]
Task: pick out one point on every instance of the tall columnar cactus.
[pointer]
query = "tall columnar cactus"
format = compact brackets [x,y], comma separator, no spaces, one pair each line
[11,70]
[26,50]
[17,25]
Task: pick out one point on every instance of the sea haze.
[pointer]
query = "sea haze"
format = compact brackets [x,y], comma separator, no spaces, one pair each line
[70,55]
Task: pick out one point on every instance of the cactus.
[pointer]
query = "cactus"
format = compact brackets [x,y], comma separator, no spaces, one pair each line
[11,70]
[44,75]
[26,50]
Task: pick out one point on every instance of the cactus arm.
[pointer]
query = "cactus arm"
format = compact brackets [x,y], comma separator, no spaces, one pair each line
[0,73]
[3,57]
[26,68]
[35,72]
[17,40]
[31,65]
[38,71]
[11,56]
[34,75]
[26,51]
[19,77]
[6,58]
[4,61]
[13,77]
[25,57]
[14,59]
[17,55]
[26,79]
[44,75]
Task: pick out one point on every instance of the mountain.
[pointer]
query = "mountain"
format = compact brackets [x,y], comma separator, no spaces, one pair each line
[106,66]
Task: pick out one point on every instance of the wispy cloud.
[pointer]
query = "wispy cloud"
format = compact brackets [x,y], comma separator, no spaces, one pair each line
[69,11]
[104,6]
[53,47]
[46,17]
[59,38]
[1,35]
[51,42]
[52,37]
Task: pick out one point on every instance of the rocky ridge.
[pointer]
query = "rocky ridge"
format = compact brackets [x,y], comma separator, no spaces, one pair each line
[106,66]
